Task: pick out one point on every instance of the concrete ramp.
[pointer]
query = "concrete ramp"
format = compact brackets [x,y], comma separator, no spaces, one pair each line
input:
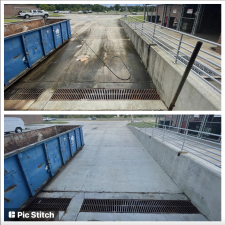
[114,165]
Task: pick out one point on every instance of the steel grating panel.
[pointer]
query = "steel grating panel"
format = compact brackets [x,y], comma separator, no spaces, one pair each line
[48,204]
[138,206]
[198,66]
[23,93]
[105,94]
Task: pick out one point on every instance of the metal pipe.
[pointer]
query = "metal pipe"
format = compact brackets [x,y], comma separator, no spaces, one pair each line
[196,21]
[152,13]
[178,50]
[162,15]
[186,72]
[189,35]
[144,11]
[168,19]
[180,18]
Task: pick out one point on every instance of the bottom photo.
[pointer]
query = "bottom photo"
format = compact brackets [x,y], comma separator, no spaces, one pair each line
[112,167]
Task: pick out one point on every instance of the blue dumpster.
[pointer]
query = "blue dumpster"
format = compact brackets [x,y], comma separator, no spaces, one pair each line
[32,158]
[28,43]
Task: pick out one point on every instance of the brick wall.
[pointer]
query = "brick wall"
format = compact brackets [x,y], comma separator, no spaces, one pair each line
[218,49]
[11,10]
[176,15]
[28,118]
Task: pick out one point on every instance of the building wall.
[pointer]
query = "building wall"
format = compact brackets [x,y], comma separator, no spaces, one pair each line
[176,15]
[11,10]
[28,118]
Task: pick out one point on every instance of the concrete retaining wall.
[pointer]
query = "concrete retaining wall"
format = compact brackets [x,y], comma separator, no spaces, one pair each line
[199,180]
[166,75]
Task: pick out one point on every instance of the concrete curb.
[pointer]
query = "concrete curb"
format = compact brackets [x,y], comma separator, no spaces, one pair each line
[199,180]
[166,75]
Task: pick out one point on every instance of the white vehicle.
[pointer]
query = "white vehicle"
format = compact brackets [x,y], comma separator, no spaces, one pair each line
[13,124]
[80,12]
[47,119]
[88,118]
[31,13]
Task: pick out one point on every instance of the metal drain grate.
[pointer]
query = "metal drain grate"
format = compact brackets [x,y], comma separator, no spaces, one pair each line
[23,93]
[138,206]
[105,94]
[198,66]
[48,204]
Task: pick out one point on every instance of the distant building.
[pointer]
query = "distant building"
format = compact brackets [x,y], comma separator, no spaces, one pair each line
[204,123]
[28,118]
[202,20]
[12,9]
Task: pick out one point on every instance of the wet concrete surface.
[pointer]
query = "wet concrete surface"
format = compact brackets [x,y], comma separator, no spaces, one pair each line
[101,36]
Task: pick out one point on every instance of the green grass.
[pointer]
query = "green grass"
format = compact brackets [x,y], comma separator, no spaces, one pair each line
[142,124]
[10,21]
[10,17]
[140,17]
[55,15]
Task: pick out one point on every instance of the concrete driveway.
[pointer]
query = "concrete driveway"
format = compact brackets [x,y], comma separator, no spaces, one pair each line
[113,164]
[92,35]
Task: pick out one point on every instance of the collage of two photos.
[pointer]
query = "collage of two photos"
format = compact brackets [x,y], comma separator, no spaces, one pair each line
[112,112]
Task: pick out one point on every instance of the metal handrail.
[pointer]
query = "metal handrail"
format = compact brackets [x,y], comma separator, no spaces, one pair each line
[207,150]
[207,68]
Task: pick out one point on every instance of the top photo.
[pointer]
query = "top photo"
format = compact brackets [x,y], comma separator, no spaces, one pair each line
[112,57]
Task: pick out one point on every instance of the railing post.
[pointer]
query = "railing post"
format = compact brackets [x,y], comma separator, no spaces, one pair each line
[186,132]
[164,132]
[142,27]
[178,50]
[153,34]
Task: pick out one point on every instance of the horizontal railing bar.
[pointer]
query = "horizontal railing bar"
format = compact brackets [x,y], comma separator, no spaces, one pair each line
[165,137]
[185,142]
[167,39]
[202,153]
[214,87]
[202,132]
[204,158]
[189,35]
[204,59]
[201,50]
[168,35]
[195,141]
[149,31]
[202,148]
[166,46]
[199,69]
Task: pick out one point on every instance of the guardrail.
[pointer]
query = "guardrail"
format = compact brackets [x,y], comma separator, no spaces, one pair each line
[206,66]
[185,140]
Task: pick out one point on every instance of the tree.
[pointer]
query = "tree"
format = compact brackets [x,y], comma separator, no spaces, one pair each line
[117,7]
[97,8]
[44,7]
[136,8]
[121,10]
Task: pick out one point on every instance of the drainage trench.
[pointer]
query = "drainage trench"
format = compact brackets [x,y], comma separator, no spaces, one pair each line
[83,94]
